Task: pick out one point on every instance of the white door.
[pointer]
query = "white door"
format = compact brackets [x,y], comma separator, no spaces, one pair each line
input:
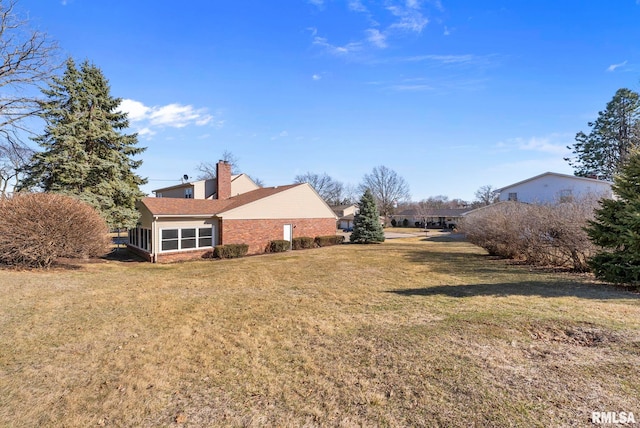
[287,233]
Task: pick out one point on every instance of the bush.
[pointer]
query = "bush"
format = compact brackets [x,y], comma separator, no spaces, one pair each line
[278,246]
[417,224]
[38,228]
[393,222]
[546,235]
[405,222]
[303,243]
[325,241]
[230,251]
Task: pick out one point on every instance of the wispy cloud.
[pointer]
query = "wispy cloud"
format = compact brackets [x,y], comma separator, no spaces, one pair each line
[555,144]
[337,50]
[316,76]
[409,16]
[376,38]
[147,119]
[401,17]
[613,67]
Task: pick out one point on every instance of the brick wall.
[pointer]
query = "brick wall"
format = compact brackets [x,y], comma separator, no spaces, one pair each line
[223,173]
[185,255]
[258,233]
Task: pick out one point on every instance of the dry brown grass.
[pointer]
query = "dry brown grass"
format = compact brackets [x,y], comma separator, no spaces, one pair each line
[412,332]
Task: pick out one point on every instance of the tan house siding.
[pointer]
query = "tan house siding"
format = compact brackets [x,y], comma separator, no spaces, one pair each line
[298,202]
[246,232]
[242,184]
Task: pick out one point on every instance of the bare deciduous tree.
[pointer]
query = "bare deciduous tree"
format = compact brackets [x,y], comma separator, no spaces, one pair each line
[208,169]
[486,195]
[26,63]
[387,187]
[14,155]
[329,189]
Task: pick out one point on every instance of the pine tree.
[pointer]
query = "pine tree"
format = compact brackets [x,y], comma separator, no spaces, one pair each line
[616,228]
[614,134]
[366,224]
[85,152]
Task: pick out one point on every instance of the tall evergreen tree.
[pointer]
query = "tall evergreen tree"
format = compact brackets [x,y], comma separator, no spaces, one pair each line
[616,228]
[614,134]
[85,152]
[366,224]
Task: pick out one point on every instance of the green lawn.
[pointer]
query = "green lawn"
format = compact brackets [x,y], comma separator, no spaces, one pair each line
[412,332]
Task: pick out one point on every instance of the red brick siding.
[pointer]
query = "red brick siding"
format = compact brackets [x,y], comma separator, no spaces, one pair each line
[141,253]
[185,255]
[224,180]
[258,233]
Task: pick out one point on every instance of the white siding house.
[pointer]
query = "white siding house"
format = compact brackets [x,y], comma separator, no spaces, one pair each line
[551,187]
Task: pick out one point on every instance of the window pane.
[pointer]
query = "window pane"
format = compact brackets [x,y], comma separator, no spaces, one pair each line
[188,243]
[205,231]
[170,234]
[204,242]
[188,233]
[169,245]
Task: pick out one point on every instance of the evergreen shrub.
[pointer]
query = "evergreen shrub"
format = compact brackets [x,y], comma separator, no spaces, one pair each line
[230,251]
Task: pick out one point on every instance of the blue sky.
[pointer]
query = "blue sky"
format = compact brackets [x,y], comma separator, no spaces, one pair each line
[452,95]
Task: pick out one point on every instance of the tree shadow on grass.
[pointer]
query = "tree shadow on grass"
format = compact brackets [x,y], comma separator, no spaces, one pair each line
[528,288]
[122,255]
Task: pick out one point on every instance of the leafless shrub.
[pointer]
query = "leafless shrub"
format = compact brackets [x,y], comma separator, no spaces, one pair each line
[37,228]
[546,235]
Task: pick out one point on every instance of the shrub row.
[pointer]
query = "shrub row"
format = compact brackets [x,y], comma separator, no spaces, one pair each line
[278,246]
[303,243]
[546,235]
[230,251]
[325,241]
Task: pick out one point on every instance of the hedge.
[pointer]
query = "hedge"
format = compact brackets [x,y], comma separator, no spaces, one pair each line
[303,242]
[278,246]
[230,251]
[325,241]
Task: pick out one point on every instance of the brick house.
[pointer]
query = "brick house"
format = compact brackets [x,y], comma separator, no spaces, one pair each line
[186,224]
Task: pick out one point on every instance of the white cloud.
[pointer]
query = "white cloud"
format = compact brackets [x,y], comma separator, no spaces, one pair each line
[410,17]
[318,3]
[357,6]
[555,144]
[337,50]
[613,67]
[316,77]
[376,38]
[171,115]
[284,134]
[135,109]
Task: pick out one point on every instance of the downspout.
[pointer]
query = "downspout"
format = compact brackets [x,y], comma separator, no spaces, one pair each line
[154,243]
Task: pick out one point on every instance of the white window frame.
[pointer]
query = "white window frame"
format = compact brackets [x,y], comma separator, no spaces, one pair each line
[180,238]
[137,234]
[512,196]
[188,193]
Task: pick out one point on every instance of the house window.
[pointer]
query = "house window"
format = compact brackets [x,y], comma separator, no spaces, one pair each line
[513,196]
[188,193]
[159,195]
[140,237]
[169,239]
[186,239]
[205,234]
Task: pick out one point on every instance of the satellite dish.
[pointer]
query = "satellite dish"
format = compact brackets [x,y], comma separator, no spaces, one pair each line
[186,177]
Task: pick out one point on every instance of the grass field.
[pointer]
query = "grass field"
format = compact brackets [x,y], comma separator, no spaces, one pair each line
[413,332]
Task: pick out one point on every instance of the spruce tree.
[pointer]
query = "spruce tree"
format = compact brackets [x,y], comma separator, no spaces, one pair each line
[85,153]
[616,228]
[613,136]
[366,224]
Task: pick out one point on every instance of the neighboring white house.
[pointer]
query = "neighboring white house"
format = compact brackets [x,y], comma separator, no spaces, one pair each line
[551,187]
